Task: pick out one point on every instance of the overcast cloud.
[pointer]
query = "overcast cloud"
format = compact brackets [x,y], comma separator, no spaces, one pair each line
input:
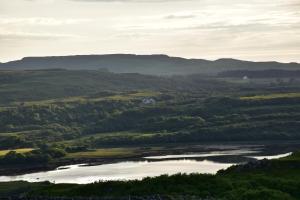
[251,30]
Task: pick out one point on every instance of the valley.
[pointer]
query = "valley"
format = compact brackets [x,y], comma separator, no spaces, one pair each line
[59,119]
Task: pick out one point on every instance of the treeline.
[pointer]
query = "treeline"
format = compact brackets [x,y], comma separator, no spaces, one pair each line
[42,155]
[272,73]
[35,85]
[172,119]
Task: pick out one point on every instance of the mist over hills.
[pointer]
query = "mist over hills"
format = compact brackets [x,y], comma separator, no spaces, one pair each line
[143,64]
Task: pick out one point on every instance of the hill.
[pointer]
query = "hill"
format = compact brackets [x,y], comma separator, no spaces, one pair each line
[32,85]
[271,73]
[144,64]
[96,109]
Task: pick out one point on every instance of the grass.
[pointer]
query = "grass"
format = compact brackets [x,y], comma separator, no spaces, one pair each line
[272,96]
[9,188]
[115,152]
[294,157]
[104,153]
[85,99]
[104,136]
[25,150]
[9,134]
[134,95]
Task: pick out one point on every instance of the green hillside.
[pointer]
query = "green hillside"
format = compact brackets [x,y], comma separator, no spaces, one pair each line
[65,115]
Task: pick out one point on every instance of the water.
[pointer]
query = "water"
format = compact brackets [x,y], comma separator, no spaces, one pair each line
[205,163]
[203,155]
[271,157]
[120,171]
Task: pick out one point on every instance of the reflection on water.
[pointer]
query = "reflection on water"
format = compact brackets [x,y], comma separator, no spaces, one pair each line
[207,162]
[271,157]
[203,155]
[121,171]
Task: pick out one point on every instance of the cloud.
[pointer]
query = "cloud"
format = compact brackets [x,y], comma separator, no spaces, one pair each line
[183,27]
[41,1]
[41,21]
[128,1]
[180,16]
[6,35]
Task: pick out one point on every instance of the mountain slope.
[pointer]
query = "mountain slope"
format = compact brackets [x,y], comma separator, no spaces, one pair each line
[144,64]
[31,85]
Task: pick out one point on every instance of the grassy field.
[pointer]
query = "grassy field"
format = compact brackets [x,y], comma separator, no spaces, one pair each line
[87,99]
[119,152]
[130,96]
[104,153]
[272,96]
[25,150]
[96,153]
[106,137]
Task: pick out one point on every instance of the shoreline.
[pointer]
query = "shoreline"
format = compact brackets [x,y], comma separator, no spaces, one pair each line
[19,170]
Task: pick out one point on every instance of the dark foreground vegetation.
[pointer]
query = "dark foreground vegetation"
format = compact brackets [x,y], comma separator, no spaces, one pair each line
[268,180]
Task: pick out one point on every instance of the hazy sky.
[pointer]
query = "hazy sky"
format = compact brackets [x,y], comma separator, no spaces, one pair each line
[243,29]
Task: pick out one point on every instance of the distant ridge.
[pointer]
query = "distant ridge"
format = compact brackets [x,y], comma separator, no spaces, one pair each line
[143,64]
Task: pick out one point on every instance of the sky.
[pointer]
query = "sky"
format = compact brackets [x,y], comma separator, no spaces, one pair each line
[258,30]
